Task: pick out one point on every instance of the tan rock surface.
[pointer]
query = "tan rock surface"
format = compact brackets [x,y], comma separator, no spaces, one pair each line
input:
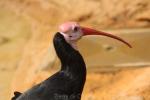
[38,59]
[98,13]
[14,33]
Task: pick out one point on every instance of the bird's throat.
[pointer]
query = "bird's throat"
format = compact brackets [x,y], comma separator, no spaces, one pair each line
[72,43]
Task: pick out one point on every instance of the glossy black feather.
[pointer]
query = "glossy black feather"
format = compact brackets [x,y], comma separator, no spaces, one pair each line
[66,84]
[16,95]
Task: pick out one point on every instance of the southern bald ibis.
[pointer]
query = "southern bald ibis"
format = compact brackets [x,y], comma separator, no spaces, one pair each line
[68,82]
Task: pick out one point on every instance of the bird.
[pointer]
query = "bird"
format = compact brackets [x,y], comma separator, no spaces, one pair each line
[68,82]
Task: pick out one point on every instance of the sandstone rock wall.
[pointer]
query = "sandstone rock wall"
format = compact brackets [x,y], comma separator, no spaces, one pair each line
[38,57]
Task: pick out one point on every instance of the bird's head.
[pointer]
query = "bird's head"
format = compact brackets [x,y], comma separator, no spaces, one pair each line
[72,32]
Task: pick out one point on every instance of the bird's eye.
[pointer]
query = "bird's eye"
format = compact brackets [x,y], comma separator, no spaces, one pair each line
[76,29]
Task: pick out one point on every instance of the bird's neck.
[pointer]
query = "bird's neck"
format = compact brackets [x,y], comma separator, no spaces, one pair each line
[72,63]
[71,60]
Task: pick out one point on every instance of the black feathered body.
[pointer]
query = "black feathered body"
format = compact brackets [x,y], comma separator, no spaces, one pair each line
[66,84]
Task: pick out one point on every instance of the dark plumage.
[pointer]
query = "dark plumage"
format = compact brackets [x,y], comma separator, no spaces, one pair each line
[66,84]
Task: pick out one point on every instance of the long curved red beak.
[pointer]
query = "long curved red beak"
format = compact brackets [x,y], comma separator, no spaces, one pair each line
[89,31]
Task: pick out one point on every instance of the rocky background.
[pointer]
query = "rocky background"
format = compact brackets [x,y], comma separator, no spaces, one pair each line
[27,55]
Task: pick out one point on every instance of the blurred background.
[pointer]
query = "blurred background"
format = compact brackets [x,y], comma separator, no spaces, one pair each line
[115,72]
